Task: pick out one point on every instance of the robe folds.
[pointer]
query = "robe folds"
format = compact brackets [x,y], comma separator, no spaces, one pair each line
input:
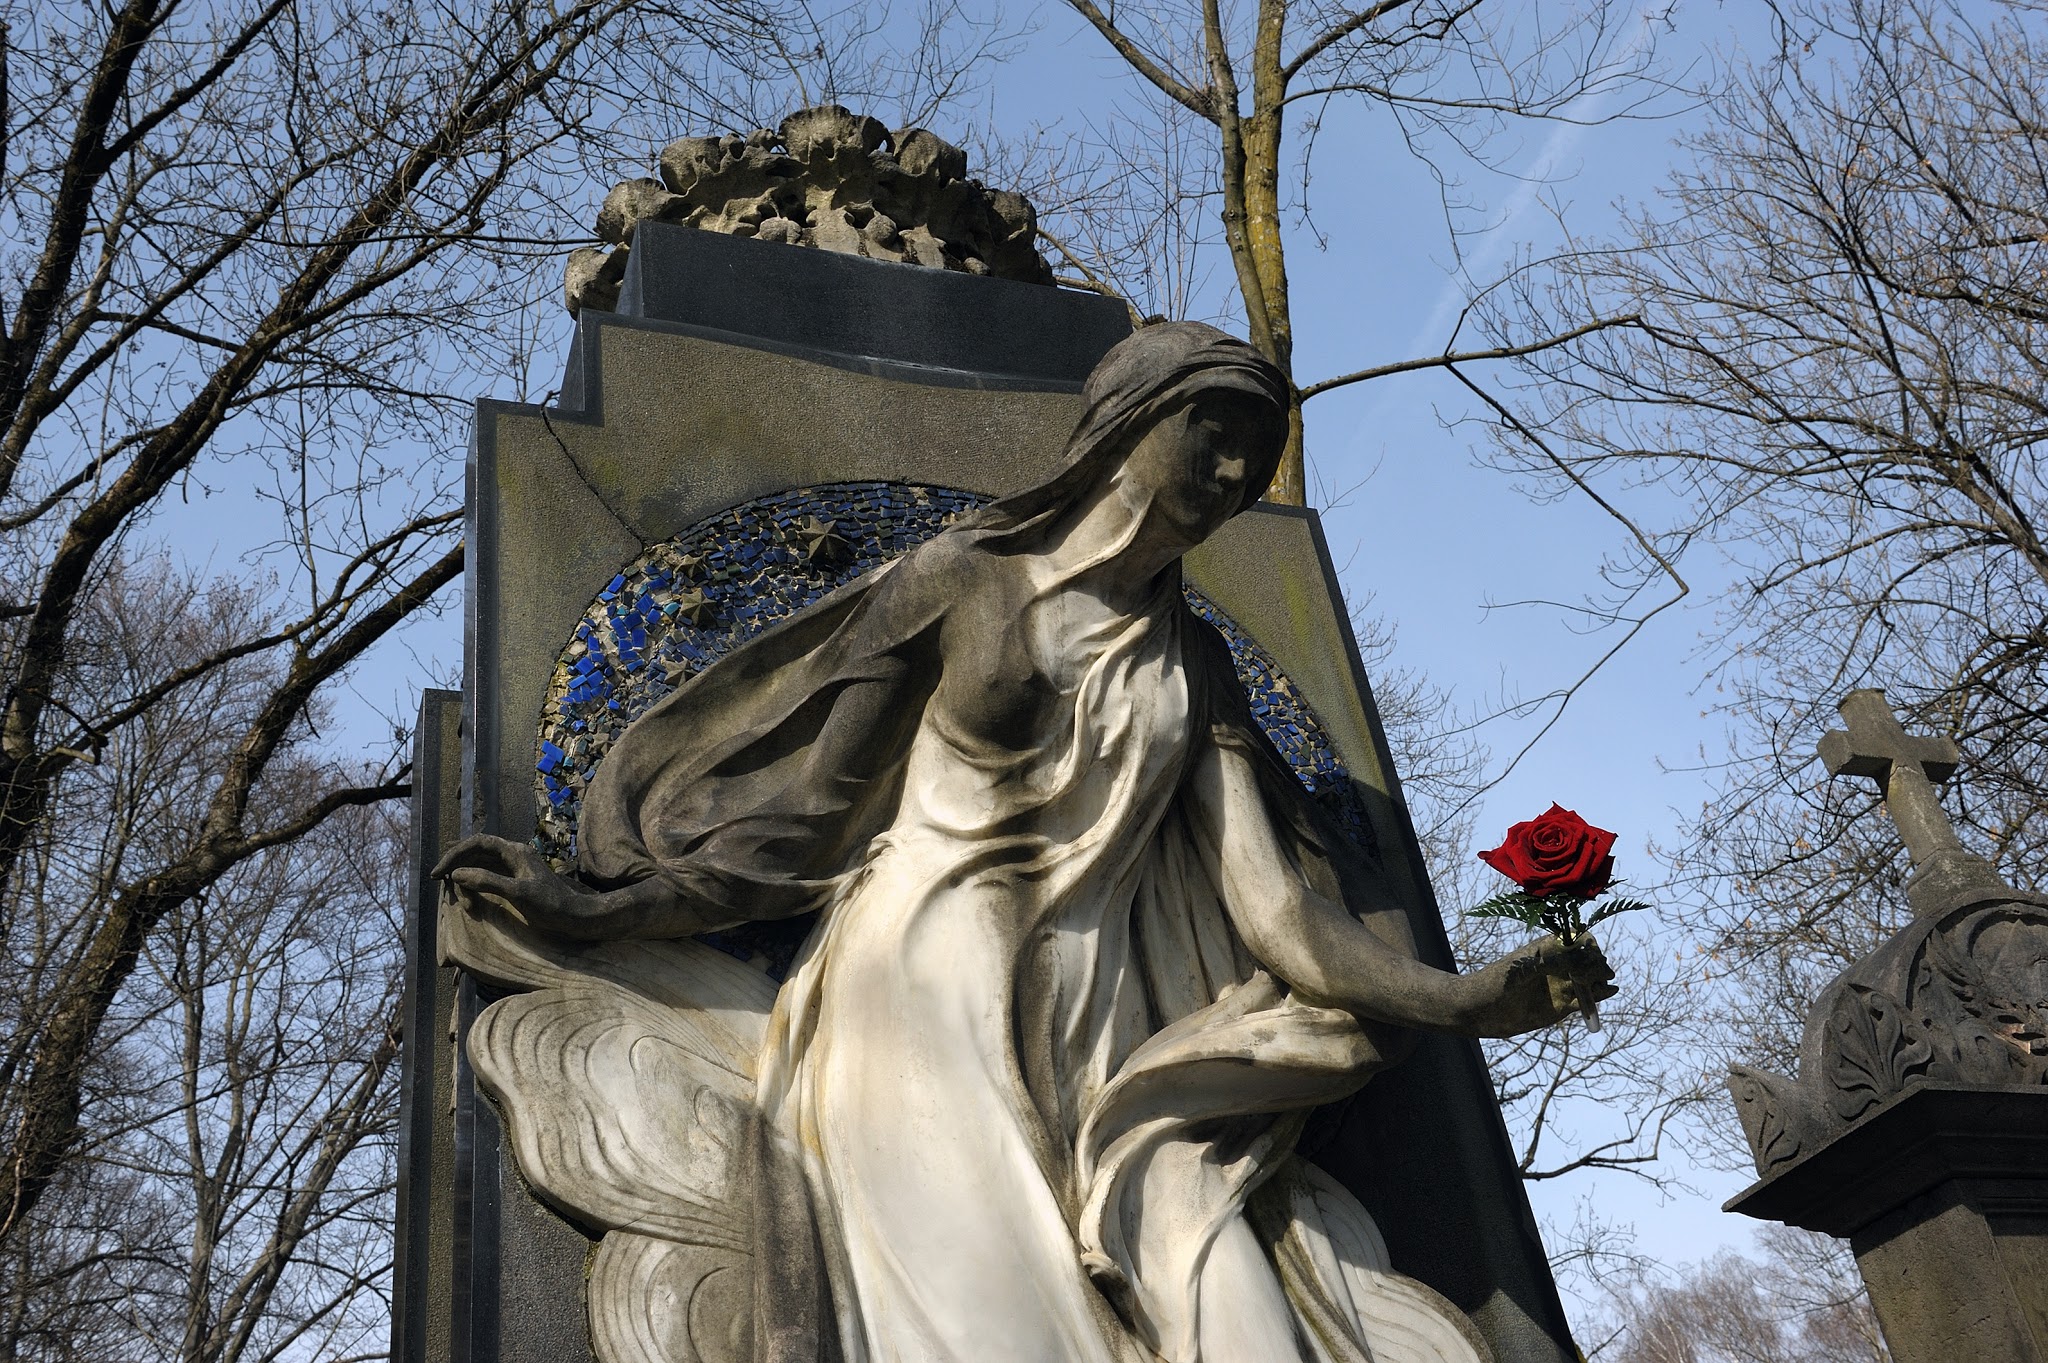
[1025,1095]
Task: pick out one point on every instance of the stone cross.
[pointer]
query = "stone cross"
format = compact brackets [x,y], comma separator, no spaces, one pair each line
[1906,768]
[1917,1128]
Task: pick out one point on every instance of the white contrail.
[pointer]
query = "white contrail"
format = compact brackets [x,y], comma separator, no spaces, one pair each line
[1498,240]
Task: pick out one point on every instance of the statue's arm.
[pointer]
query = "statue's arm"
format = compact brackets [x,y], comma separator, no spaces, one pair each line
[1330,958]
[764,876]
[518,880]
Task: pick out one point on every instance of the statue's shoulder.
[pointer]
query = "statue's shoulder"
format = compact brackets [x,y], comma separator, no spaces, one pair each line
[942,573]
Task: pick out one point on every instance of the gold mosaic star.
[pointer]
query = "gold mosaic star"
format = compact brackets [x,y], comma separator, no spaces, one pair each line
[819,541]
[695,607]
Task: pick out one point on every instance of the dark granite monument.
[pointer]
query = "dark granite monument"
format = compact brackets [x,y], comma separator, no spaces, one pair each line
[752,435]
[1917,1128]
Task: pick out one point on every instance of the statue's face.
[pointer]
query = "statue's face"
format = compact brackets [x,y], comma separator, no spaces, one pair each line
[1199,462]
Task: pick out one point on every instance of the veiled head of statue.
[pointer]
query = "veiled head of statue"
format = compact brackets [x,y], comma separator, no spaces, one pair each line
[1195,412]
[1202,462]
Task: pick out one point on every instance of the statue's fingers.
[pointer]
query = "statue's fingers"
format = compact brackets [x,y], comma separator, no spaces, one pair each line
[474,880]
[478,850]
[1588,960]
[452,858]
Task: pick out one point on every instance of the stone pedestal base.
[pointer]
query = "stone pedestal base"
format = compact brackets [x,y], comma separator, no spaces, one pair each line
[1943,1195]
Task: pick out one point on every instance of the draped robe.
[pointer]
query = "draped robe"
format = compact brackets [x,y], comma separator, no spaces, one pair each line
[1025,1095]
[956,1057]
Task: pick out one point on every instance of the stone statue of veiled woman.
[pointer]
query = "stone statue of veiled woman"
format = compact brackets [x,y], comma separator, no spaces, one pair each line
[1086,956]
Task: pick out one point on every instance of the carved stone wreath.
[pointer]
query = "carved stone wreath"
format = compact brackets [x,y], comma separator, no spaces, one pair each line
[827,178]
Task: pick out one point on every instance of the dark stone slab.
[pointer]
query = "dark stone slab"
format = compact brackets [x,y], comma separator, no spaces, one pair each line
[423,1270]
[517,1268]
[1943,1195]
[1917,1141]
[474,1309]
[867,309]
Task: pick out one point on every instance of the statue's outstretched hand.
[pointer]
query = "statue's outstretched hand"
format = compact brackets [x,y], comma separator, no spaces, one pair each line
[1541,983]
[517,879]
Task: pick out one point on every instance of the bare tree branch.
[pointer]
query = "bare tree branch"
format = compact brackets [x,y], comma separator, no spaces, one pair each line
[1451,359]
[1201,101]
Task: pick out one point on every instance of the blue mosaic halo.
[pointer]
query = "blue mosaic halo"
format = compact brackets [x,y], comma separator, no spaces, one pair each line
[686,603]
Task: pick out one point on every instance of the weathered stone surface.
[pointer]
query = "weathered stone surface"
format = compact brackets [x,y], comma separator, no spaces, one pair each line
[631,202]
[824,131]
[687,160]
[593,278]
[826,178]
[926,154]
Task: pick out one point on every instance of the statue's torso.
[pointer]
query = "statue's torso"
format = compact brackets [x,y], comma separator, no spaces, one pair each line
[1054,710]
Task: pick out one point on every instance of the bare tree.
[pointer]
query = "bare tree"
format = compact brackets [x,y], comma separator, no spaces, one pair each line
[1201,179]
[1126,207]
[1838,376]
[259,256]
[1443,76]
[1798,1301]
[230,1196]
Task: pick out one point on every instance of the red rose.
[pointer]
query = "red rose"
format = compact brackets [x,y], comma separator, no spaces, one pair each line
[1556,853]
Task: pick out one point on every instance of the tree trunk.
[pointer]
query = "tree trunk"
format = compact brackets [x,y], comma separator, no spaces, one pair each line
[1259,164]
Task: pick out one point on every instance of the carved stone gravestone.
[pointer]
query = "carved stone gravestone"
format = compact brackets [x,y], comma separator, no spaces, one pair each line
[1917,1127]
[758,455]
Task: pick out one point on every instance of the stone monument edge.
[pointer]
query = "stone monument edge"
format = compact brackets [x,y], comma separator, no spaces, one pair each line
[580,399]
[1900,1142]
[422,1239]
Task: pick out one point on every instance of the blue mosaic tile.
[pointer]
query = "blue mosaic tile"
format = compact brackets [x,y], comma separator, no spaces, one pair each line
[687,603]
